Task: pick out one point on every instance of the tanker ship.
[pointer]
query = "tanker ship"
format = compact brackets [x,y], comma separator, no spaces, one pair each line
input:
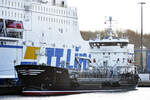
[107,66]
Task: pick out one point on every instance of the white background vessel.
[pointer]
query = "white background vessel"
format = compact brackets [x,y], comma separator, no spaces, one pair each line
[112,54]
[50,21]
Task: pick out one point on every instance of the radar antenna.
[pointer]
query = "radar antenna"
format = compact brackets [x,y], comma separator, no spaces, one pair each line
[110,31]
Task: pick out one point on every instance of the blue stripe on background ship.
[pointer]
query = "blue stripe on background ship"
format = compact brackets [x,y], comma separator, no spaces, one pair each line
[52,52]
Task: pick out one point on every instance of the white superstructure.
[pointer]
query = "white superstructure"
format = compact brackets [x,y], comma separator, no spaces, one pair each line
[25,23]
[112,54]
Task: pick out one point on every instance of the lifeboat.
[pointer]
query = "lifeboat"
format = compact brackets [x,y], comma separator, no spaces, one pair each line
[14,26]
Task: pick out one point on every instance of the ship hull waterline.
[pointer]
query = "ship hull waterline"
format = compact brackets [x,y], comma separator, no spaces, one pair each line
[47,80]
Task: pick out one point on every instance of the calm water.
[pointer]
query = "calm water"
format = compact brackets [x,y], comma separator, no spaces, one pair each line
[139,94]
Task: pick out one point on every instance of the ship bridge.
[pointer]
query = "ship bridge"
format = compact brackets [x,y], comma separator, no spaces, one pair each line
[108,42]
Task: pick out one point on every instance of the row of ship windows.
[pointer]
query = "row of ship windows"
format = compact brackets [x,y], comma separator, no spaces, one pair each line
[5,13]
[57,20]
[38,8]
[52,10]
[13,3]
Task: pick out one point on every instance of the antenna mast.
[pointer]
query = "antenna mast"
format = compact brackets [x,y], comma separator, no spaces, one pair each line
[110,26]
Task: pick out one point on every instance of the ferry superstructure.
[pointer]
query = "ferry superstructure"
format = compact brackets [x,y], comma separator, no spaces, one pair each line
[25,23]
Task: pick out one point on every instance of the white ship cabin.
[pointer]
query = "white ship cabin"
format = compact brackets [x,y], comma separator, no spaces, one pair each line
[113,54]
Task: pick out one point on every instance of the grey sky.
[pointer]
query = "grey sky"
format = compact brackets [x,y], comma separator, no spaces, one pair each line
[91,14]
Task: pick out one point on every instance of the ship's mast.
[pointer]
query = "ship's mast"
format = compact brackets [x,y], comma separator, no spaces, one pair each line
[110,26]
